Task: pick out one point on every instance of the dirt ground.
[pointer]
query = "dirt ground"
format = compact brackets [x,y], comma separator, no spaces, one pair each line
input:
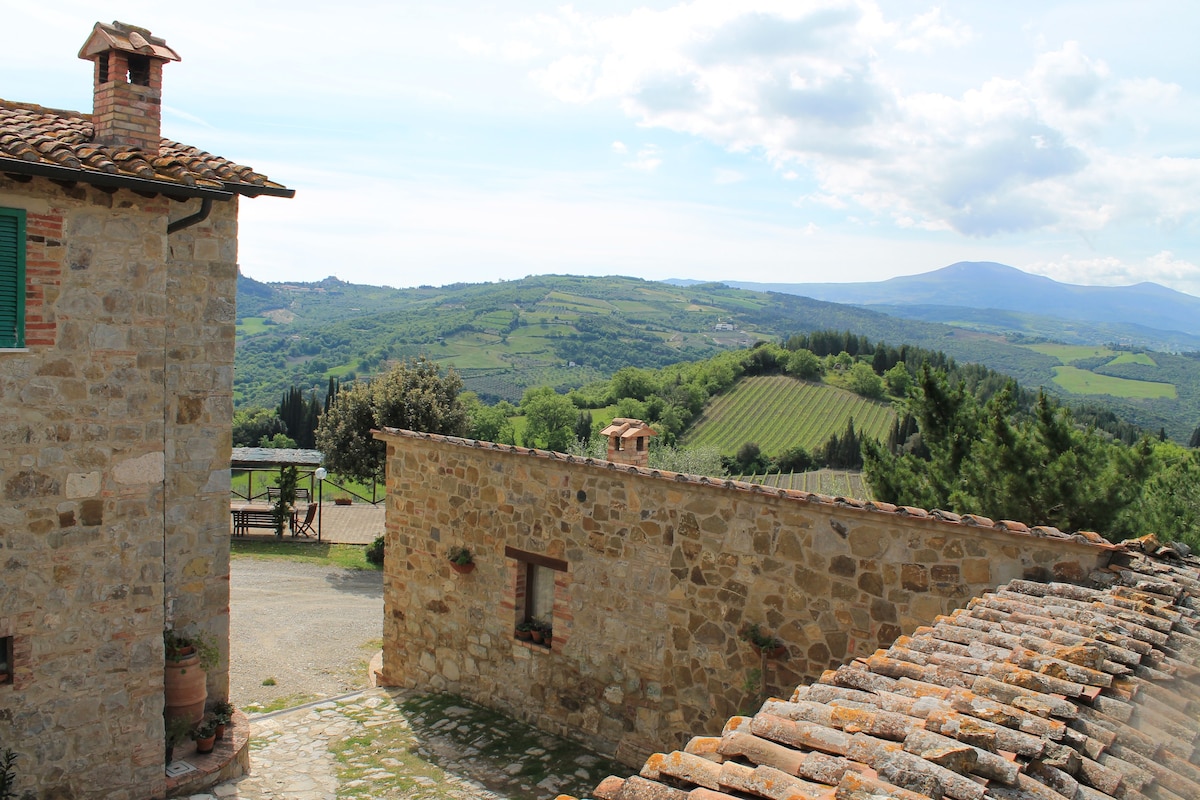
[310,629]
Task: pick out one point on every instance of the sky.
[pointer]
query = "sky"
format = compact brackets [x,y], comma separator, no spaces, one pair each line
[762,140]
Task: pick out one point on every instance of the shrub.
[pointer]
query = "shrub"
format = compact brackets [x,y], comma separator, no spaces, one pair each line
[375,551]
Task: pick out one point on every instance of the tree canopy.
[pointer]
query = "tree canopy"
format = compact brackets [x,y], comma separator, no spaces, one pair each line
[986,458]
[414,395]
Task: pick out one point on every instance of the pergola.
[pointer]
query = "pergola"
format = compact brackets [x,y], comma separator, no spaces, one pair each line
[271,459]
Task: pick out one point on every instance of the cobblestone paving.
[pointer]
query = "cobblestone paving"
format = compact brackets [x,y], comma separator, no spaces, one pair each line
[390,744]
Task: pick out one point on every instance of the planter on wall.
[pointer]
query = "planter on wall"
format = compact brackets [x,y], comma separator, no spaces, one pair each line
[462,568]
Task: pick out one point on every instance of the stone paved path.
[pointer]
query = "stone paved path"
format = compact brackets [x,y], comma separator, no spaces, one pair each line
[389,744]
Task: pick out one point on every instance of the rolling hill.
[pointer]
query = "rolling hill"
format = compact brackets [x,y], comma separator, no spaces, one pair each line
[567,331]
[990,296]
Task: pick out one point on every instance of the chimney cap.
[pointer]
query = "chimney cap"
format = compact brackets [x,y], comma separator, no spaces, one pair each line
[128,38]
[627,428]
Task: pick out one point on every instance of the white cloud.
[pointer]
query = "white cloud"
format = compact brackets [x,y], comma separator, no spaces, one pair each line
[725,177]
[804,84]
[931,30]
[648,159]
[619,148]
[1162,268]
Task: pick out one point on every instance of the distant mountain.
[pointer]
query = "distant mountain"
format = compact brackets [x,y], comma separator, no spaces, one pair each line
[1154,309]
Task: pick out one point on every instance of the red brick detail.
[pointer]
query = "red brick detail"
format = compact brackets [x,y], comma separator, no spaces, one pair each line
[43,267]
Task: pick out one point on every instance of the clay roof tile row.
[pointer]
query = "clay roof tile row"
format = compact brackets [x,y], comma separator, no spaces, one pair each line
[972,520]
[32,134]
[1002,699]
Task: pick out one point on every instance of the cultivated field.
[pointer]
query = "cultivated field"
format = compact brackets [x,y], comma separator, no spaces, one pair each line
[777,412]
[1082,381]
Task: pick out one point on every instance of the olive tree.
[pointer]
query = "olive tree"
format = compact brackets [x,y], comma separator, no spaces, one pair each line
[415,395]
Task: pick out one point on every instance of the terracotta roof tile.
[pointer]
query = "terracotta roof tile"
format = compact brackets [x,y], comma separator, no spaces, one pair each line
[947,517]
[1037,691]
[33,135]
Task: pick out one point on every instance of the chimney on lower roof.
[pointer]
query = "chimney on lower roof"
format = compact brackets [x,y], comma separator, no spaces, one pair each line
[127,88]
[629,441]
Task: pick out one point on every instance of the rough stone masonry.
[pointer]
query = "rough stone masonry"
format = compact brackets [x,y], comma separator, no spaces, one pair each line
[656,575]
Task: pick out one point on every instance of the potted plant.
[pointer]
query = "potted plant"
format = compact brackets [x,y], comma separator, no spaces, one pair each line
[765,643]
[205,734]
[542,632]
[176,730]
[342,500]
[547,633]
[524,631]
[461,559]
[222,712]
[189,657]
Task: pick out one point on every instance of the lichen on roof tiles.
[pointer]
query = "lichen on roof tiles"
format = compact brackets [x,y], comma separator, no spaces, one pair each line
[1038,691]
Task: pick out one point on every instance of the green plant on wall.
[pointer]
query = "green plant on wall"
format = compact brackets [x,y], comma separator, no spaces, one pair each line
[287,498]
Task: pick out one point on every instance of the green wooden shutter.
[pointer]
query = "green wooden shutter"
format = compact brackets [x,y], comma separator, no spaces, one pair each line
[12,277]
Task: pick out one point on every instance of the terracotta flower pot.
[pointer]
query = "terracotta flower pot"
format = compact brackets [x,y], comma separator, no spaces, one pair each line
[537,636]
[524,636]
[206,745]
[185,687]
[462,568]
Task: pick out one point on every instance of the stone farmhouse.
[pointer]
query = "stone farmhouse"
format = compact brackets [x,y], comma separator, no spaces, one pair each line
[919,654]
[118,267]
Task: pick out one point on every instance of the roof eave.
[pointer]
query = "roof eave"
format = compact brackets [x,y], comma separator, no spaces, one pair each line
[15,166]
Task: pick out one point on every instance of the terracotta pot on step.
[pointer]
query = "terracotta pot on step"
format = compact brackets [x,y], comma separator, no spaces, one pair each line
[185,687]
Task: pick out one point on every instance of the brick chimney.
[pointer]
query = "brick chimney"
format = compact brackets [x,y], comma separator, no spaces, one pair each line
[628,441]
[127,88]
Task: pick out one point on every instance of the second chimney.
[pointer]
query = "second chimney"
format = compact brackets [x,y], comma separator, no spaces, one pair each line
[628,441]
[127,87]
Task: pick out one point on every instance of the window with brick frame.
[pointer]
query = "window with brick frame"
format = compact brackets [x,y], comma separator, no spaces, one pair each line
[536,593]
[12,278]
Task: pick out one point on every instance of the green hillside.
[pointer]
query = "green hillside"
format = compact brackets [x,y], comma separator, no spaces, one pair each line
[778,412]
[568,331]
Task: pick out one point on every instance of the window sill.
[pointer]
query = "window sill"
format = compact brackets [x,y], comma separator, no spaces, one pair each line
[14,349]
[529,644]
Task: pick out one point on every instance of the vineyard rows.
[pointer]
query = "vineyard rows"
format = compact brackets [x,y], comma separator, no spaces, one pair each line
[835,483]
[777,413]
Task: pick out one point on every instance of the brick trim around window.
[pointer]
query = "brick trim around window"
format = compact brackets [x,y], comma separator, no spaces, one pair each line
[532,575]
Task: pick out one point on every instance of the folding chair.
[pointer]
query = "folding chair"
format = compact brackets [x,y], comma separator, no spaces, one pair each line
[304,527]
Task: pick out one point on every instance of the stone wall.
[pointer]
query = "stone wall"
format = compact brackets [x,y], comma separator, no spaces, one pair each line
[113,443]
[662,574]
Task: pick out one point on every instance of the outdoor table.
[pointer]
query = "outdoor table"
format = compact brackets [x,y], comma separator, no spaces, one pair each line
[251,515]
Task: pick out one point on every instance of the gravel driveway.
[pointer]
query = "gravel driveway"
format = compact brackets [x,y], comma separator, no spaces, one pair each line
[310,628]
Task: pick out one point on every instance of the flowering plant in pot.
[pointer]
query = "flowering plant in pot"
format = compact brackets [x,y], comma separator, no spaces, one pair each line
[461,559]
[205,734]
[222,712]
[524,631]
[542,631]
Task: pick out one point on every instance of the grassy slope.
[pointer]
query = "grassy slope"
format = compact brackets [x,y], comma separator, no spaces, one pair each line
[506,337]
[777,412]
